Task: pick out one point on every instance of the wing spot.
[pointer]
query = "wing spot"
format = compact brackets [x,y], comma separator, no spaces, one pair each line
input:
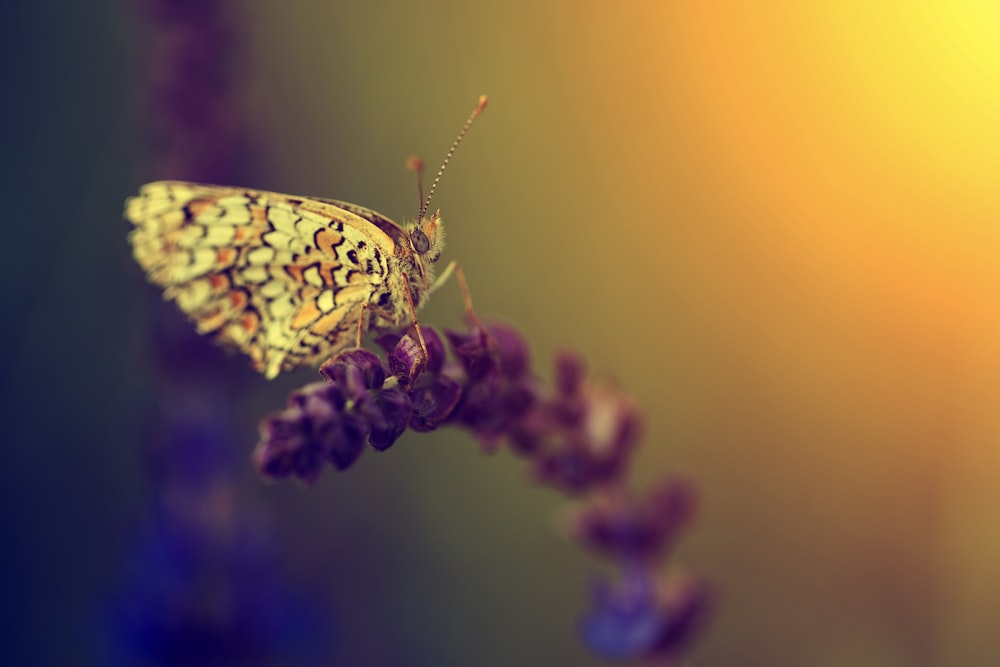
[258,215]
[226,256]
[238,298]
[295,271]
[254,274]
[250,321]
[307,314]
[197,207]
[262,255]
[327,241]
[325,301]
[311,275]
[326,270]
[272,289]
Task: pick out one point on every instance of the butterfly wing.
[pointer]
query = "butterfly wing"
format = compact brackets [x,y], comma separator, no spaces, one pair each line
[281,278]
[391,229]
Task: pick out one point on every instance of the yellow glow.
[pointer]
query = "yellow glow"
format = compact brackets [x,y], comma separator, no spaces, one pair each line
[778,223]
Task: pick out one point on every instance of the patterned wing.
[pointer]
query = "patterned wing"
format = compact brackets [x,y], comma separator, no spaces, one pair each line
[281,278]
[391,229]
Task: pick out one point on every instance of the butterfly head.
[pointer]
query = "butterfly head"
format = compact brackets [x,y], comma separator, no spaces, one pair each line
[427,238]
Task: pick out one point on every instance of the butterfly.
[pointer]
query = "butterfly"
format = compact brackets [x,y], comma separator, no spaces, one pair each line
[287,280]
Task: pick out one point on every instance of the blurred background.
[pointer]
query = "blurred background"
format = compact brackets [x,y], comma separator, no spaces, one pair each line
[775,223]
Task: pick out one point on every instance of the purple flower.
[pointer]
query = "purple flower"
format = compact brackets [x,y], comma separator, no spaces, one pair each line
[432,383]
[619,526]
[320,425]
[581,434]
[577,435]
[638,617]
[499,389]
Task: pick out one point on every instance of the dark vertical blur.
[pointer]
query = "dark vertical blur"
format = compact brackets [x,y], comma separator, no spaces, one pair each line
[202,582]
[195,579]
[67,408]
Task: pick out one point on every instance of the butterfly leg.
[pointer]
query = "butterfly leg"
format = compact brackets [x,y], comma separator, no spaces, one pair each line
[365,307]
[470,312]
[416,322]
[361,324]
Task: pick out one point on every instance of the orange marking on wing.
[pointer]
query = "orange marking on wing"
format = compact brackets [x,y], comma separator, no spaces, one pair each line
[238,299]
[199,206]
[250,322]
[212,319]
[326,270]
[327,323]
[219,281]
[306,314]
[326,240]
[307,292]
[258,216]
[247,235]
[295,271]
[226,256]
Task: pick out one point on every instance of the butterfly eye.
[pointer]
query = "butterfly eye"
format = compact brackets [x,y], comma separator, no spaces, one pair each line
[419,241]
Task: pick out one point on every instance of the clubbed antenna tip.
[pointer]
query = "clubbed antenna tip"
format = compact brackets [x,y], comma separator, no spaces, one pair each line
[415,164]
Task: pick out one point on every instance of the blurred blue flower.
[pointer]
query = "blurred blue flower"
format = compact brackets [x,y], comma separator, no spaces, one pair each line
[626,621]
[637,617]
[204,589]
[202,584]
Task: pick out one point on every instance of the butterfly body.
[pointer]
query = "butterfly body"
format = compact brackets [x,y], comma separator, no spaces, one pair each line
[288,280]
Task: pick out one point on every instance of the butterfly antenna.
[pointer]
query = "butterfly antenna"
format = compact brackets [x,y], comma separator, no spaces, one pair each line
[414,163]
[461,135]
